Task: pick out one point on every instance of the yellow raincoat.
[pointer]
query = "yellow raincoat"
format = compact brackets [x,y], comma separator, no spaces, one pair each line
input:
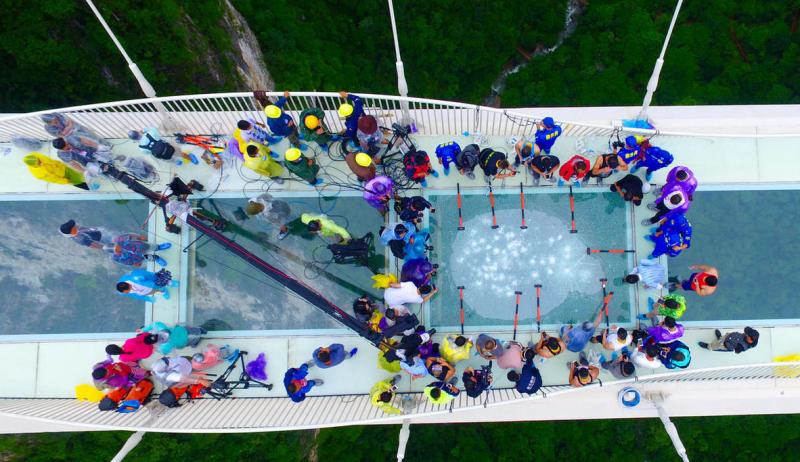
[453,353]
[443,398]
[328,227]
[51,170]
[375,397]
[383,281]
[262,163]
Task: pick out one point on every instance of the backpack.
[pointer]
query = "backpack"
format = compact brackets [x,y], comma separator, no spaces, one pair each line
[416,171]
[171,396]
[398,248]
[160,149]
[112,399]
[137,397]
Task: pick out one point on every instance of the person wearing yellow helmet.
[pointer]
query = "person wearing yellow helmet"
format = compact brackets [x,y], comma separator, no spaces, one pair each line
[351,111]
[345,109]
[302,166]
[257,158]
[281,123]
[312,127]
[361,164]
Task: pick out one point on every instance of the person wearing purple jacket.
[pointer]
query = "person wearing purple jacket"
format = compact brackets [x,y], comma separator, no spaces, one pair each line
[673,200]
[667,331]
[682,176]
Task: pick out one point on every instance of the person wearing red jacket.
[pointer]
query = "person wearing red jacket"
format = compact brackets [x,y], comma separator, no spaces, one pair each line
[575,170]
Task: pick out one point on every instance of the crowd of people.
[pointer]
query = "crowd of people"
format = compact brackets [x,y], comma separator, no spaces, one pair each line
[408,346]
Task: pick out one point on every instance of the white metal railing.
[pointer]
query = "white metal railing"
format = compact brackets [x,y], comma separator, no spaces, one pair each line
[218,114]
[272,414]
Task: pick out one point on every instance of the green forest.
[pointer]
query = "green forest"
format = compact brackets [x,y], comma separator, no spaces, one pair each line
[722,51]
[738,438]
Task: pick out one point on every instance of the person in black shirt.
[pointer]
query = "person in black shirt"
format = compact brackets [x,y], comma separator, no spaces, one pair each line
[606,165]
[494,165]
[530,380]
[476,381]
[544,165]
[631,189]
[411,208]
[736,342]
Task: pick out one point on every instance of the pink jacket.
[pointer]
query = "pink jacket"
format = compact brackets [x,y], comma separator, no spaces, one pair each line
[135,349]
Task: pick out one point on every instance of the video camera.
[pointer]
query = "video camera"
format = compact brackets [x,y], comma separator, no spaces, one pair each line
[618,144]
[485,376]
[400,130]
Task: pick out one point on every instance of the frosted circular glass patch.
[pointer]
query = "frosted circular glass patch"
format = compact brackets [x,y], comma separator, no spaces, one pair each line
[493,263]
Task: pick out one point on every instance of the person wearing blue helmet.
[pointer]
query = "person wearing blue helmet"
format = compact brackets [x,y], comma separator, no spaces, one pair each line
[633,149]
[546,135]
[681,224]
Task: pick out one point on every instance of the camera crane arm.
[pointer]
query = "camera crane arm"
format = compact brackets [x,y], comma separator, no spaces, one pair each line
[296,286]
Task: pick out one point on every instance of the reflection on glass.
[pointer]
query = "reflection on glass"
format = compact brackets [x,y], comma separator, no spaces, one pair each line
[51,285]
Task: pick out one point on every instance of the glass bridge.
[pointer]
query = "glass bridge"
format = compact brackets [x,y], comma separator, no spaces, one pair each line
[59,305]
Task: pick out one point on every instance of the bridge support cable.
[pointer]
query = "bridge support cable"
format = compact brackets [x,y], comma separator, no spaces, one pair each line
[405,433]
[658,401]
[652,84]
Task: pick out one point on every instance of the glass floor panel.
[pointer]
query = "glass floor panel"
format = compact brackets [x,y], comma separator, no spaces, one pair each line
[752,238]
[493,263]
[51,285]
[229,294]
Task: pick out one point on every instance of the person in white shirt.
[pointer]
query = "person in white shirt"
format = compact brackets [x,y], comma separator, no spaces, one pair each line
[614,339]
[651,273]
[400,293]
[646,358]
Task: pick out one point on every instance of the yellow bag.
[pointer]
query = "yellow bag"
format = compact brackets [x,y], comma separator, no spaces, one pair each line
[382,281]
[86,392]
